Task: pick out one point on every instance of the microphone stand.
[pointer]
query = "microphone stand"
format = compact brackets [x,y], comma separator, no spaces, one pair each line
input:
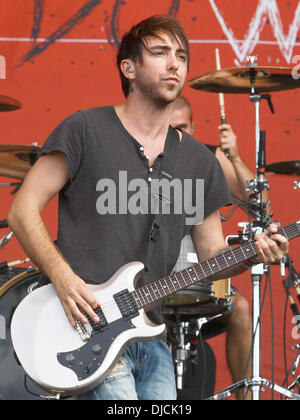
[257,186]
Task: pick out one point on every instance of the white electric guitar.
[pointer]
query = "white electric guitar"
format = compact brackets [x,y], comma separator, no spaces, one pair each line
[68,361]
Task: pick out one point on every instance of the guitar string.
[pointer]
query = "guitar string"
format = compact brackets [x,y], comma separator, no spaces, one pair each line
[146,293]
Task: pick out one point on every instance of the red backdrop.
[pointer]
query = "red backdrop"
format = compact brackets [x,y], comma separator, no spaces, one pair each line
[60,57]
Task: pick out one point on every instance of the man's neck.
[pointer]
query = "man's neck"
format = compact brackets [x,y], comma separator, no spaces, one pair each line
[144,120]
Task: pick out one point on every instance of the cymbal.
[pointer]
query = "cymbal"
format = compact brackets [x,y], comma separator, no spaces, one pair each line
[237,80]
[16,160]
[9,104]
[285,168]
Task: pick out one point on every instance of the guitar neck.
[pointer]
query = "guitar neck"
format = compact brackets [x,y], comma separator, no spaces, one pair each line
[160,289]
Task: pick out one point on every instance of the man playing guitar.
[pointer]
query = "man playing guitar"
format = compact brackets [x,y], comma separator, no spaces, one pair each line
[92,244]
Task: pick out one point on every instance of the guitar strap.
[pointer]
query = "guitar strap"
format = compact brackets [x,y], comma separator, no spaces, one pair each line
[166,171]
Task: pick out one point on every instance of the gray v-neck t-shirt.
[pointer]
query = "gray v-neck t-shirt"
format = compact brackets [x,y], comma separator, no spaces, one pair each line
[108,168]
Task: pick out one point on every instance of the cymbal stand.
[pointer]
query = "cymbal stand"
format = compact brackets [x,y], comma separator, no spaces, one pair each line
[257,186]
[294,369]
[181,354]
[17,186]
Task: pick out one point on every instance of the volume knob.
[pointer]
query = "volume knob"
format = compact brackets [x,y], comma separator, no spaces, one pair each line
[70,359]
[97,349]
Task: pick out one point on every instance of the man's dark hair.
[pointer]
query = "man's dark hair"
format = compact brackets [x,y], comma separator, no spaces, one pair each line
[134,40]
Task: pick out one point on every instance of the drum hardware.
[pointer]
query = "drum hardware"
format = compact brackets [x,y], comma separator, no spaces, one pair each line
[251,208]
[198,302]
[17,186]
[16,160]
[243,79]
[14,384]
[292,281]
[3,224]
[284,168]
[9,104]
[181,354]
[6,239]
[6,265]
[256,81]
[294,368]
[182,337]
[226,218]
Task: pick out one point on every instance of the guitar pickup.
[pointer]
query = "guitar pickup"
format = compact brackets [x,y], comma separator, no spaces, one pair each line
[126,304]
[99,326]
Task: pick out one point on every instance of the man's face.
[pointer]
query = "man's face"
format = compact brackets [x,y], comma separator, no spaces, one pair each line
[181,118]
[162,71]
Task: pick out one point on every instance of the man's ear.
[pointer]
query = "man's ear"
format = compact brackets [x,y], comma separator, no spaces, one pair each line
[192,127]
[128,68]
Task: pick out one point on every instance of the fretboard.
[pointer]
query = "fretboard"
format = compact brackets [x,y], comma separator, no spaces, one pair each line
[199,273]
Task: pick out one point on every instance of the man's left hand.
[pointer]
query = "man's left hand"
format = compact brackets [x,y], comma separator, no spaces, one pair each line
[270,249]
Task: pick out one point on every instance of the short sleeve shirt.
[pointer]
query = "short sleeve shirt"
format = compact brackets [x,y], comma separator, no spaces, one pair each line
[102,224]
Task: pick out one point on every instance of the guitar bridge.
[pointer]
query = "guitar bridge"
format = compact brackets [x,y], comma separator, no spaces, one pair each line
[85,335]
[86,331]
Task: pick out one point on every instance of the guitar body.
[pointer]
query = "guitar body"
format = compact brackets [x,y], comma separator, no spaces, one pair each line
[69,361]
[55,355]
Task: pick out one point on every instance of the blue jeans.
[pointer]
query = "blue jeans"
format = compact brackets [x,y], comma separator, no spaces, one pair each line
[144,372]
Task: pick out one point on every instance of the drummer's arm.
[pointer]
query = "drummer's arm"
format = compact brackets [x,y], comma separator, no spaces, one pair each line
[235,169]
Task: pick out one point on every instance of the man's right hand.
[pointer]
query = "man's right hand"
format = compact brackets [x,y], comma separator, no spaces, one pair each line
[76,296]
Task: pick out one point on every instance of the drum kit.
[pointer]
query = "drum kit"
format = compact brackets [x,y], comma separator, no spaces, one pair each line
[190,313]
[189,305]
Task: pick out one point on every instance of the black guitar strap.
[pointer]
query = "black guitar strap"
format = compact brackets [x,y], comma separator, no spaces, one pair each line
[166,171]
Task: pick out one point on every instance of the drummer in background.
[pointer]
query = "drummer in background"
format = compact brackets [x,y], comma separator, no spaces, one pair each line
[239,323]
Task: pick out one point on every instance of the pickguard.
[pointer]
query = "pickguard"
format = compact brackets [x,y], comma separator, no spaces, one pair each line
[85,360]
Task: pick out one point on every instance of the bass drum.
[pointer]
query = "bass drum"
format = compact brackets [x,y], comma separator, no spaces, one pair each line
[15,284]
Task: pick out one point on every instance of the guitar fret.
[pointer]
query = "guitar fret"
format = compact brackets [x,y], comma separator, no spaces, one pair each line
[223,255]
[183,278]
[155,284]
[178,287]
[148,294]
[218,264]
[200,265]
[234,256]
[188,272]
[137,298]
[140,291]
[282,229]
[240,255]
[253,249]
[195,276]
[167,282]
[165,286]
[176,282]
[203,271]
[210,267]
[158,293]
[171,283]
[204,268]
